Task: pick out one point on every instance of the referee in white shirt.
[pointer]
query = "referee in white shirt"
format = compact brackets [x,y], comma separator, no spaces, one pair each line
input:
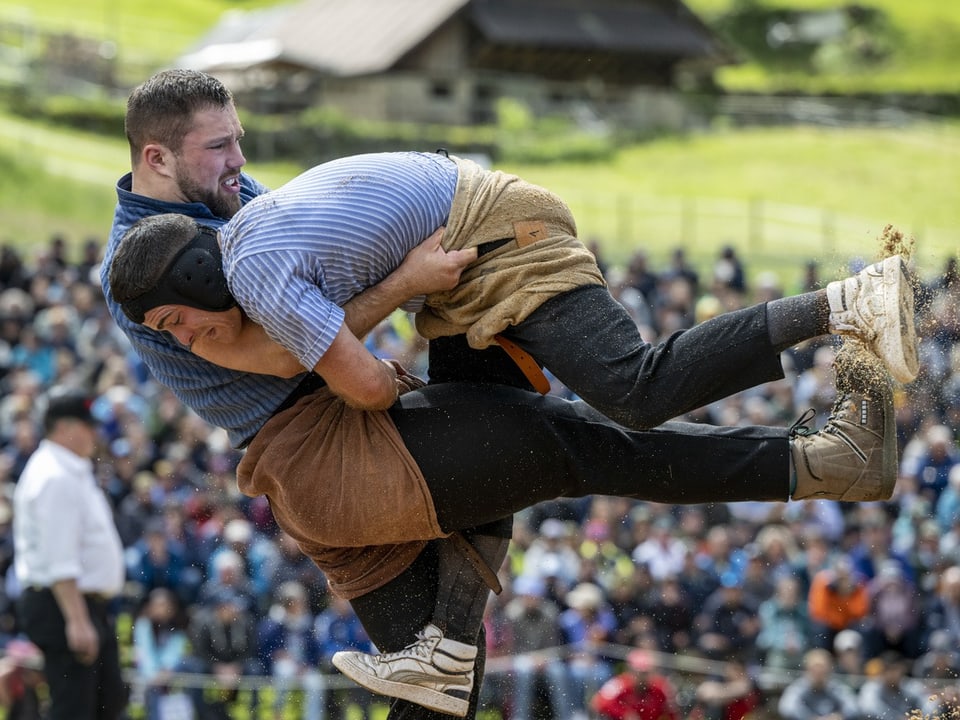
[69,563]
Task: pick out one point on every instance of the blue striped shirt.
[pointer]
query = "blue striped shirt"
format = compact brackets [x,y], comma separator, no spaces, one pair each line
[295,255]
[238,402]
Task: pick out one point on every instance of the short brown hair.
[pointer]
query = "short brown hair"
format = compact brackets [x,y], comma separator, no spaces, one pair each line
[161,109]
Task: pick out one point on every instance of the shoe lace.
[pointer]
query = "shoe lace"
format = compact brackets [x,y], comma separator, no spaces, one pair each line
[417,647]
[801,426]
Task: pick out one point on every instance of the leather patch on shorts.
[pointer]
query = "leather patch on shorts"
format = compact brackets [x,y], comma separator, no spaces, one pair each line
[528,232]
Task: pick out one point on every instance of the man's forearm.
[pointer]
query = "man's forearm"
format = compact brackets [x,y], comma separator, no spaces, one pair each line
[363,312]
[70,600]
[426,269]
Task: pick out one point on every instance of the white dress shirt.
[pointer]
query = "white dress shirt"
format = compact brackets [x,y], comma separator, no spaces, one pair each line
[63,527]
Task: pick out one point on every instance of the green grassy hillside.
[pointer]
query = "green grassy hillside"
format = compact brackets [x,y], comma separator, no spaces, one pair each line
[916,38]
[783,194]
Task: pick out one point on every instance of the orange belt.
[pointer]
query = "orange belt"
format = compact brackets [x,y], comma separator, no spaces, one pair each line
[528,366]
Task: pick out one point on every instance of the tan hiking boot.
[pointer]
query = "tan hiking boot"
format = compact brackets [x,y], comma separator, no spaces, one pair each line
[854,456]
[434,672]
[876,306]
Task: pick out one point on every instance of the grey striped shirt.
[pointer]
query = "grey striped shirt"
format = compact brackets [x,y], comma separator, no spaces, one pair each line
[295,255]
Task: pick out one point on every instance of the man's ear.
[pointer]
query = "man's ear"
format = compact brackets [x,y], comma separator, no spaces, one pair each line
[157,158]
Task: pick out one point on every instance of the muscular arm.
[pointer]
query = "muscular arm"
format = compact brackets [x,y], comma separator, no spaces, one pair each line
[356,375]
[427,268]
[351,371]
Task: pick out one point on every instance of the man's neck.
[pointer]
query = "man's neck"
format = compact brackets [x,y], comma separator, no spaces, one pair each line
[155,187]
[69,441]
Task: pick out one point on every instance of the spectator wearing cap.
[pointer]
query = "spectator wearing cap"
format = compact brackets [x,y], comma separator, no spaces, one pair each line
[552,554]
[587,625]
[638,693]
[891,695]
[849,656]
[531,624]
[259,554]
[756,579]
[229,574]
[69,564]
[697,582]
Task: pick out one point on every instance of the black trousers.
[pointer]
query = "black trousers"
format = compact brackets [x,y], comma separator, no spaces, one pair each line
[590,343]
[77,691]
[489,451]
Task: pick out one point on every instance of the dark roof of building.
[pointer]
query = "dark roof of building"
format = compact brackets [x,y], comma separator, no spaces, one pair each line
[628,26]
[370,36]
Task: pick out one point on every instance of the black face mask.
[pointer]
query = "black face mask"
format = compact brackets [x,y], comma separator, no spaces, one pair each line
[194,278]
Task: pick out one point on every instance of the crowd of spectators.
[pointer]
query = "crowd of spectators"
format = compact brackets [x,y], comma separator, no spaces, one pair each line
[729,604]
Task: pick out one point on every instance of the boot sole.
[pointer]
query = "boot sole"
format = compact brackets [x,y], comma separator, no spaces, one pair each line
[898,346]
[891,463]
[430,699]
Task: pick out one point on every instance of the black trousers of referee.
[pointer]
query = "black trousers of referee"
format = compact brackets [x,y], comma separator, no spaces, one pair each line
[77,691]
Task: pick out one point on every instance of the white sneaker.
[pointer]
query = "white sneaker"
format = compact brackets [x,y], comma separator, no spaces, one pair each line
[434,672]
[876,305]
